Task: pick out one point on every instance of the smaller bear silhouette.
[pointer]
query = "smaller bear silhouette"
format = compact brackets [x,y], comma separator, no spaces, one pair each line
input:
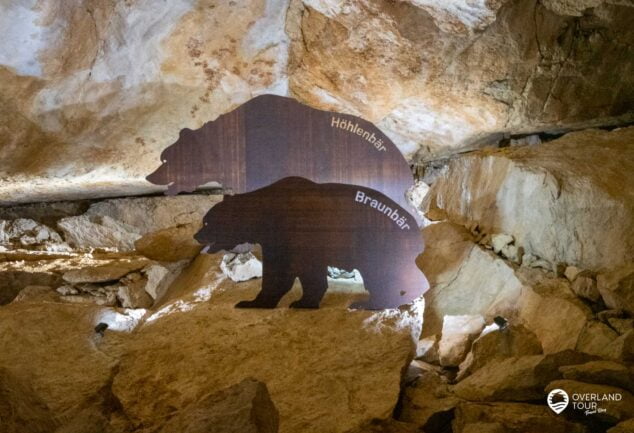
[304,227]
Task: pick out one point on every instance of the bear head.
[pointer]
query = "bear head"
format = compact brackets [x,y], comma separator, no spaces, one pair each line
[193,160]
[223,228]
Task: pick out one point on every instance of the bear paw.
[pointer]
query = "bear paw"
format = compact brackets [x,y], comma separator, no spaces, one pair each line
[253,304]
[304,304]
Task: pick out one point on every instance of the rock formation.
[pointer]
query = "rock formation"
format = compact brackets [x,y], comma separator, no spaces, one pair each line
[516,116]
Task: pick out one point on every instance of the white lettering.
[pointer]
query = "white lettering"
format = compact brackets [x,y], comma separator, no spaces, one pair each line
[347,125]
[359,196]
[399,220]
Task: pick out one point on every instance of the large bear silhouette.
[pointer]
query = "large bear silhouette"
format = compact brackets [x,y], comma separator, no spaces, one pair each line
[303,227]
[272,137]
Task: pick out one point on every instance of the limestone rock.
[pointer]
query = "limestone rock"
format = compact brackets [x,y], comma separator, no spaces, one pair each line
[623,427]
[601,372]
[160,277]
[386,426]
[110,272]
[29,234]
[514,340]
[21,411]
[596,339]
[465,279]
[617,288]
[131,292]
[499,241]
[241,267]
[516,378]
[171,244]
[119,223]
[242,408]
[621,326]
[427,400]
[109,87]
[231,344]
[540,196]
[571,273]
[475,74]
[37,294]
[510,418]
[542,305]
[457,334]
[586,287]
[616,411]
[427,349]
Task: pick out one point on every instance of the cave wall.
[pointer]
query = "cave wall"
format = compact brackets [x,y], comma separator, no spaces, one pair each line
[91,92]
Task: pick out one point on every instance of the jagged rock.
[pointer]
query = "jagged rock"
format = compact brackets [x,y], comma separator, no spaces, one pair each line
[274,343]
[160,277]
[29,234]
[510,418]
[616,411]
[516,378]
[571,273]
[621,326]
[617,288]
[119,223]
[109,300]
[515,340]
[242,408]
[586,287]
[241,267]
[171,244]
[427,400]
[21,411]
[101,274]
[550,221]
[427,349]
[37,294]
[622,348]
[51,345]
[623,427]
[465,279]
[601,372]
[499,241]
[596,339]
[457,334]
[131,292]
[542,305]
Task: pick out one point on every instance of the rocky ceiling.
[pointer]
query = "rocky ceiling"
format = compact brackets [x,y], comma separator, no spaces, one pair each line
[92,91]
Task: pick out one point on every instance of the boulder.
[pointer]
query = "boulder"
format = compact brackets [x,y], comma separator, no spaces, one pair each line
[242,408]
[111,272]
[457,334]
[21,411]
[427,349]
[617,288]
[542,307]
[131,292]
[511,418]
[516,378]
[615,411]
[241,266]
[119,223]
[512,341]
[621,325]
[541,195]
[465,279]
[171,244]
[427,402]
[339,355]
[596,338]
[601,372]
[585,286]
[37,294]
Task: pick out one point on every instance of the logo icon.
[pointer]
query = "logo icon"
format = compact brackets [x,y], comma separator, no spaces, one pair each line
[557,400]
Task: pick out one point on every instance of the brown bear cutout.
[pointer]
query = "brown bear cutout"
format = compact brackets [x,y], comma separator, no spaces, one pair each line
[272,137]
[304,227]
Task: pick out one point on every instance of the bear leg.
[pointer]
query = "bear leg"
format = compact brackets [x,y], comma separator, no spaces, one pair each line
[314,286]
[384,291]
[274,286]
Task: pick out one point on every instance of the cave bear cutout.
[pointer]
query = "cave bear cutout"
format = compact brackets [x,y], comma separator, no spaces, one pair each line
[304,227]
[272,137]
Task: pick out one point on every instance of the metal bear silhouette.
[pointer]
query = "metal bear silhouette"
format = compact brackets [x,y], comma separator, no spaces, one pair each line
[272,137]
[303,227]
